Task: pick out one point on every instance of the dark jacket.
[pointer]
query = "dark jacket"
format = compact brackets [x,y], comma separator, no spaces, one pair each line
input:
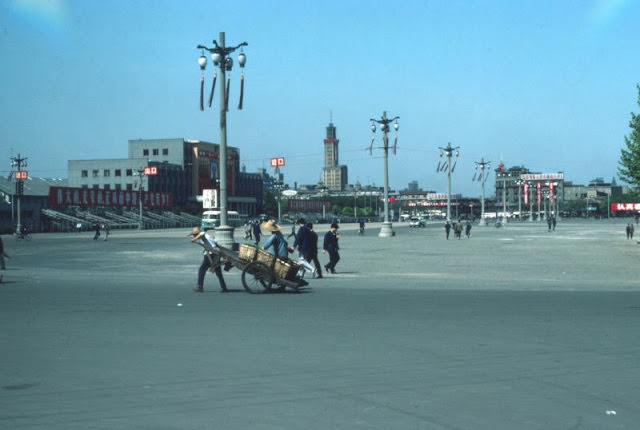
[302,239]
[330,241]
[312,243]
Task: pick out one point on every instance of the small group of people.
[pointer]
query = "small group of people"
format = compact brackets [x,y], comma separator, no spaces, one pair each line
[99,227]
[252,231]
[630,230]
[457,229]
[306,242]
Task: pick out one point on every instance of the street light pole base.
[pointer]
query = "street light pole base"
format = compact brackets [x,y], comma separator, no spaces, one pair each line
[224,236]
[482,222]
[386,230]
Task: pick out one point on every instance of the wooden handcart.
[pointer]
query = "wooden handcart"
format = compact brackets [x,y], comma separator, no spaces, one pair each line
[262,272]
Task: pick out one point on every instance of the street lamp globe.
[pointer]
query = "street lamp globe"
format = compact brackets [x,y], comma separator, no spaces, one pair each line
[242,59]
[202,61]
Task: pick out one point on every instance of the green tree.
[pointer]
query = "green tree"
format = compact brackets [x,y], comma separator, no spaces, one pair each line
[269,203]
[629,164]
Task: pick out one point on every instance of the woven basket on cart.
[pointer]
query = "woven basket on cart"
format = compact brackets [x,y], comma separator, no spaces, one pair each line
[286,269]
[247,252]
[266,258]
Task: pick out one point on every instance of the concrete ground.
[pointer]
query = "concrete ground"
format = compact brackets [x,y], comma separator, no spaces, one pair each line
[514,328]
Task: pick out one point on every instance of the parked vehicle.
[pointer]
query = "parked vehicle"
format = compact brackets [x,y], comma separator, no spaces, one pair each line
[211,219]
[416,222]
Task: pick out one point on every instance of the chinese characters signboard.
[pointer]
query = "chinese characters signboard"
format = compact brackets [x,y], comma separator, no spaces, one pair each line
[277,162]
[615,207]
[89,197]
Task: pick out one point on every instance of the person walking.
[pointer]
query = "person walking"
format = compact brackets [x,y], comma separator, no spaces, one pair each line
[447,229]
[331,246]
[209,259]
[280,247]
[457,229]
[256,232]
[248,227]
[311,254]
[3,266]
[302,237]
[276,241]
[97,235]
[293,231]
[467,229]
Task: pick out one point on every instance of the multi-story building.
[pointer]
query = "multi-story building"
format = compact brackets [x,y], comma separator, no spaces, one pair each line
[334,176]
[184,168]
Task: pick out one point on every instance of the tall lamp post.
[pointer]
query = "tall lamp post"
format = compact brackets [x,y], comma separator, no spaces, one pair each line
[449,152]
[220,55]
[520,182]
[482,178]
[504,175]
[20,175]
[386,230]
[530,191]
[141,176]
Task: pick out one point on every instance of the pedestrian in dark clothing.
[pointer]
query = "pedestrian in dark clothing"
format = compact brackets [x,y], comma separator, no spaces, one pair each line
[447,228]
[97,235]
[330,245]
[553,223]
[209,259]
[457,229]
[256,232]
[311,255]
[467,229]
[293,231]
[302,238]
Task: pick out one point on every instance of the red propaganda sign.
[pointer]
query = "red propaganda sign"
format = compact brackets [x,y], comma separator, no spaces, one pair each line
[392,199]
[277,162]
[22,174]
[90,197]
[151,170]
[526,193]
[615,207]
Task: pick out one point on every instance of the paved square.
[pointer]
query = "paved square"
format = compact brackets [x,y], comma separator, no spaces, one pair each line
[514,328]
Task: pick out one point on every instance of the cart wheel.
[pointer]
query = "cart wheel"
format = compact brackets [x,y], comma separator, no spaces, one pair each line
[257,277]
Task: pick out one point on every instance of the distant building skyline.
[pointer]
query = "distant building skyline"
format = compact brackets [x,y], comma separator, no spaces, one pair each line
[334,176]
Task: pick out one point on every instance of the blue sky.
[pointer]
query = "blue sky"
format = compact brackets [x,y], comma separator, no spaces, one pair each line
[545,84]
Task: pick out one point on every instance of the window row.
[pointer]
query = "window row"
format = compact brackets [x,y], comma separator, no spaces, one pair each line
[145,152]
[128,187]
[95,173]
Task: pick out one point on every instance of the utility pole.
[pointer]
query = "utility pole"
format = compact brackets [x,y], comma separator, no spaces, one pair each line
[482,178]
[18,163]
[221,57]
[387,229]
[141,176]
[449,151]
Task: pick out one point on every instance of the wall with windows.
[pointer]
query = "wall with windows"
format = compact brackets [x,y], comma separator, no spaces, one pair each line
[107,174]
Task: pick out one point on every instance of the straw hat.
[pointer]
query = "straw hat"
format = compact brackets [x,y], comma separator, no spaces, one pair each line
[270,225]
